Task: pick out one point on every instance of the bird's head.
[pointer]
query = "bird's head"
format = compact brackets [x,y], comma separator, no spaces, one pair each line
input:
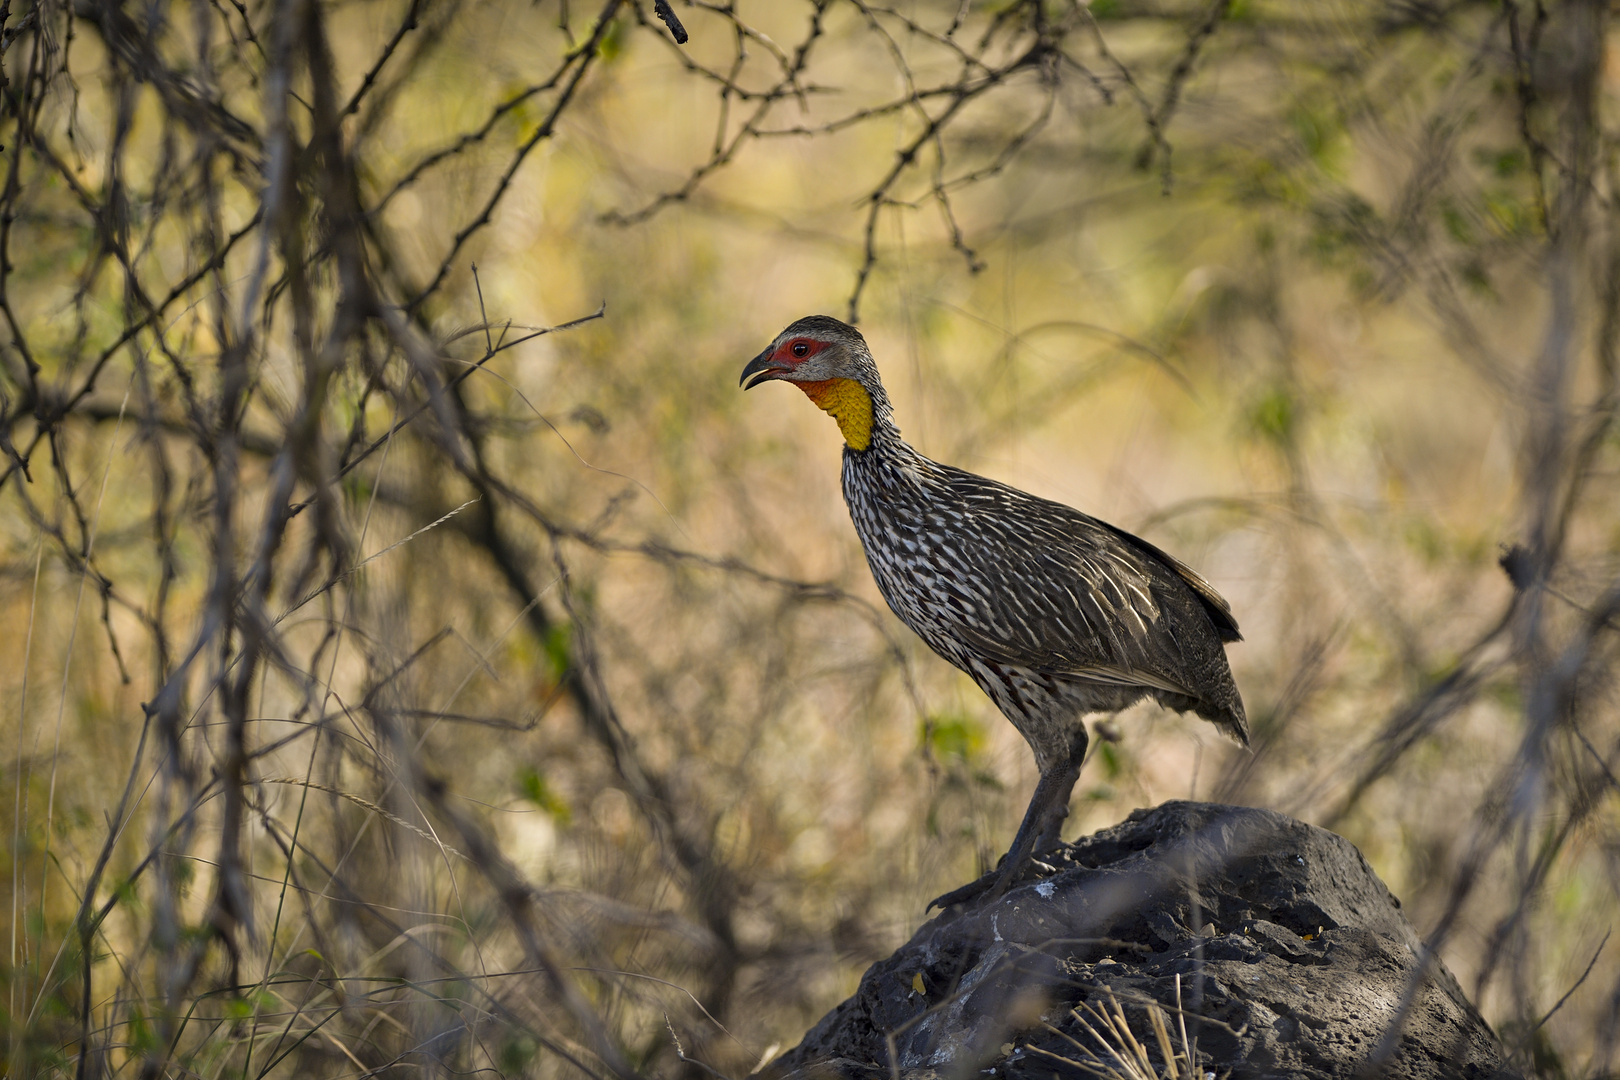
[830,362]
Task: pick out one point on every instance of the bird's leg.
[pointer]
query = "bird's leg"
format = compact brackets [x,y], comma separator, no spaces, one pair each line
[1040,830]
[1043,821]
[1051,834]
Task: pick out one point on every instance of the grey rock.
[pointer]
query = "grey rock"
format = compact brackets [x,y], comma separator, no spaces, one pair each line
[1290,957]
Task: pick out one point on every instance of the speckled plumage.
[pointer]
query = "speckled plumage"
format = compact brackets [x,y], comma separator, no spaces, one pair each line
[1054,614]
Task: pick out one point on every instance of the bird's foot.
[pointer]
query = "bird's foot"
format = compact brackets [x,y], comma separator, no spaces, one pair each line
[971,891]
[992,886]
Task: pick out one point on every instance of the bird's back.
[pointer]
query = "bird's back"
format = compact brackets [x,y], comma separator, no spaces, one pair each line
[996,581]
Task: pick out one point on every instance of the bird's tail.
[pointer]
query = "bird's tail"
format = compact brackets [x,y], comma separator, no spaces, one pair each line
[1229,717]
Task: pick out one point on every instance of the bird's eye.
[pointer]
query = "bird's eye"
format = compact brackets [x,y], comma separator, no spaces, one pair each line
[801,349]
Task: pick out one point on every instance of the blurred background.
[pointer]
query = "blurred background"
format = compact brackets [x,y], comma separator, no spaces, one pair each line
[420,658]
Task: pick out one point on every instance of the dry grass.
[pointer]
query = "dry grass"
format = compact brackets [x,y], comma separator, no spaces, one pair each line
[1114,1052]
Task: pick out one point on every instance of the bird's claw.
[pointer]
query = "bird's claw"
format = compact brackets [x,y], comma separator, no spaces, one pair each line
[992,886]
[971,891]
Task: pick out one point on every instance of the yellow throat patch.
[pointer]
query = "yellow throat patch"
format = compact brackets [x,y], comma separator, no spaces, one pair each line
[849,404]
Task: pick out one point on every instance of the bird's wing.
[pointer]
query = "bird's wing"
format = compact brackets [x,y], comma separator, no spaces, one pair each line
[1068,594]
[1214,604]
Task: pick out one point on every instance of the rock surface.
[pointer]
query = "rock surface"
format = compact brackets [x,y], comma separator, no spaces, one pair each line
[1293,961]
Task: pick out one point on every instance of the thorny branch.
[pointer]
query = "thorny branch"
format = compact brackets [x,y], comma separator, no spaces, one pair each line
[1021,39]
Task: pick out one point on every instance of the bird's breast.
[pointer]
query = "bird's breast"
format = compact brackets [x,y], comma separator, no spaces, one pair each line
[913,536]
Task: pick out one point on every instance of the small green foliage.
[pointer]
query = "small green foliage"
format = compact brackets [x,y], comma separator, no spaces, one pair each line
[1504,164]
[953,737]
[1456,223]
[1317,131]
[183,872]
[1274,414]
[559,649]
[536,790]
[143,1037]
[612,43]
[1507,693]
[54,1004]
[1342,228]
[1425,537]
[1109,757]
[516,1053]
[1570,897]
[356,487]
[71,820]
[1508,213]
[1476,276]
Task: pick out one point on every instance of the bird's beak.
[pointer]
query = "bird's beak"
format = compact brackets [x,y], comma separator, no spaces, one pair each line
[762,369]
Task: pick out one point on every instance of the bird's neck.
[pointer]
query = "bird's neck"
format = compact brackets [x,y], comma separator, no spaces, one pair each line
[861,418]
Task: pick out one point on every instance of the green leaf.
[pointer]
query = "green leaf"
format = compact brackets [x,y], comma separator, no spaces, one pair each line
[1112,765]
[1274,414]
[953,737]
[142,1037]
[559,648]
[516,1054]
[612,44]
[537,791]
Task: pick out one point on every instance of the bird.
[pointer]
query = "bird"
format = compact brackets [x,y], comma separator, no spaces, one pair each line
[1055,614]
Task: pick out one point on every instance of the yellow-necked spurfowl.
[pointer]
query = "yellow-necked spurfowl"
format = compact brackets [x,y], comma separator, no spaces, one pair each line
[1054,613]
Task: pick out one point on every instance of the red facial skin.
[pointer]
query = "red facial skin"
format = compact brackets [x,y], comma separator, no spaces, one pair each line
[784,362]
[787,356]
